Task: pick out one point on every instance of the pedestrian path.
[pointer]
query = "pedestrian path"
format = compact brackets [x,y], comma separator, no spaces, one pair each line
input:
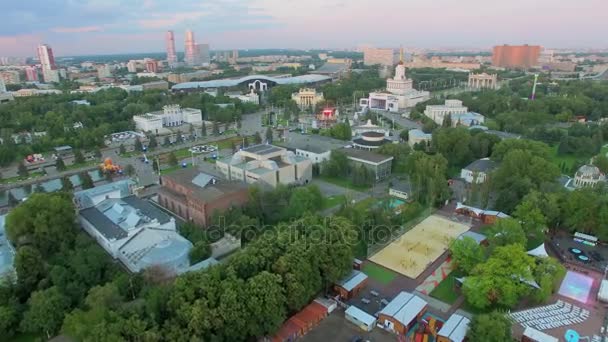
[438,275]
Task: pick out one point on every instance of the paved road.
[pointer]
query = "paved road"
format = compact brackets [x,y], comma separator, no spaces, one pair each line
[405,123]
[144,171]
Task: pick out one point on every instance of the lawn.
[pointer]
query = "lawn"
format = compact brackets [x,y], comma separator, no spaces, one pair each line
[31,175]
[567,159]
[445,292]
[345,183]
[85,164]
[332,201]
[171,169]
[378,273]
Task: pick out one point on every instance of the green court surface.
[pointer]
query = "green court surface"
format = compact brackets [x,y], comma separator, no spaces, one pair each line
[445,290]
[378,273]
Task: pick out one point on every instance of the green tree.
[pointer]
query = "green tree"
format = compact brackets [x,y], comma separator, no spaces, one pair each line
[129,169]
[492,327]
[45,220]
[9,320]
[533,221]
[428,178]
[216,128]
[336,166]
[467,254]
[46,309]
[30,268]
[453,144]
[502,280]
[138,145]
[179,137]
[59,164]
[172,159]
[204,130]
[601,161]
[269,135]
[78,157]
[66,184]
[97,153]
[122,149]
[506,231]
[39,188]
[86,180]
[257,138]
[200,251]
[265,304]
[22,170]
[166,141]
[152,143]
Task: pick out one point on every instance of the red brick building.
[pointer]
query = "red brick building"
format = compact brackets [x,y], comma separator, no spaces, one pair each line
[515,56]
[195,196]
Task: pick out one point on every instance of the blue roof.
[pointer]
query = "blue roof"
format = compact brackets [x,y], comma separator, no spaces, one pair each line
[232,82]
[7,252]
[353,280]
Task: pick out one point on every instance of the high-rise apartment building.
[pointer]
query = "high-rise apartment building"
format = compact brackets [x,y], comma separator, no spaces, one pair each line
[10,76]
[2,86]
[151,65]
[190,50]
[170,42]
[387,57]
[31,74]
[47,61]
[45,55]
[203,53]
[515,56]
[132,66]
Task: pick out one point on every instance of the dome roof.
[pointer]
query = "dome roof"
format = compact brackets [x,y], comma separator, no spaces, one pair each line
[588,171]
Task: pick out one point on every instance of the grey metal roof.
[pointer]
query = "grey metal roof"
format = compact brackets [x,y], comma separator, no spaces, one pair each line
[404,308]
[262,149]
[232,82]
[331,68]
[455,328]
[482,165]
[315,144]
[353,280]
[147,209]
[479,238]
[103,224]
[202,179]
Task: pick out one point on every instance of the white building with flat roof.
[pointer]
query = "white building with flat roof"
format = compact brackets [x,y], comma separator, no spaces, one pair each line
[170,116]
[266,165]
[438,113]
[251,97]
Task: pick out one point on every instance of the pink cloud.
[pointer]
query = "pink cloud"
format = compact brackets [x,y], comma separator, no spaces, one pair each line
[20,45]
[169,20]
[82,29]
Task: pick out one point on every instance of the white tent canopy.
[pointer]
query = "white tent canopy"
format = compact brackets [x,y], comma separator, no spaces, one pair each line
[539,251]
[585,237]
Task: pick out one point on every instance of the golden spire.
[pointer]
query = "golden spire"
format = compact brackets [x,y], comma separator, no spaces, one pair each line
[401,55]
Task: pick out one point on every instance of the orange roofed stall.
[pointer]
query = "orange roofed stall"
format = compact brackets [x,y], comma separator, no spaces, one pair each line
[300,323]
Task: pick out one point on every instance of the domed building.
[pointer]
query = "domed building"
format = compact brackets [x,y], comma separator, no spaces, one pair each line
[588,176]
[370,140]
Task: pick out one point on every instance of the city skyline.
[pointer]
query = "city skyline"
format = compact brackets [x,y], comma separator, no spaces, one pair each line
[118,26]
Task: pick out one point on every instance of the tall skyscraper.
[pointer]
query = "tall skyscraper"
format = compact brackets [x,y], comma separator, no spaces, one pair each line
[31,74]
[171,55]
[512,56]
[203,53]
[45,55]
[190,50]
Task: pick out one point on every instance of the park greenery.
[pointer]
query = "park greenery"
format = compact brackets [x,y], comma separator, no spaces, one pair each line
[67,284]
[110,111]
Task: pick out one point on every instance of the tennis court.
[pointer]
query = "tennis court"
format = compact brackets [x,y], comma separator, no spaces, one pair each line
[418,248]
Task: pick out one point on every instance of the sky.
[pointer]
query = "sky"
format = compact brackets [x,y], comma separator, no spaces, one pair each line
[85,27]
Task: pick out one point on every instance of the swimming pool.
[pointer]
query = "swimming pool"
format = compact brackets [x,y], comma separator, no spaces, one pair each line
[394,203]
